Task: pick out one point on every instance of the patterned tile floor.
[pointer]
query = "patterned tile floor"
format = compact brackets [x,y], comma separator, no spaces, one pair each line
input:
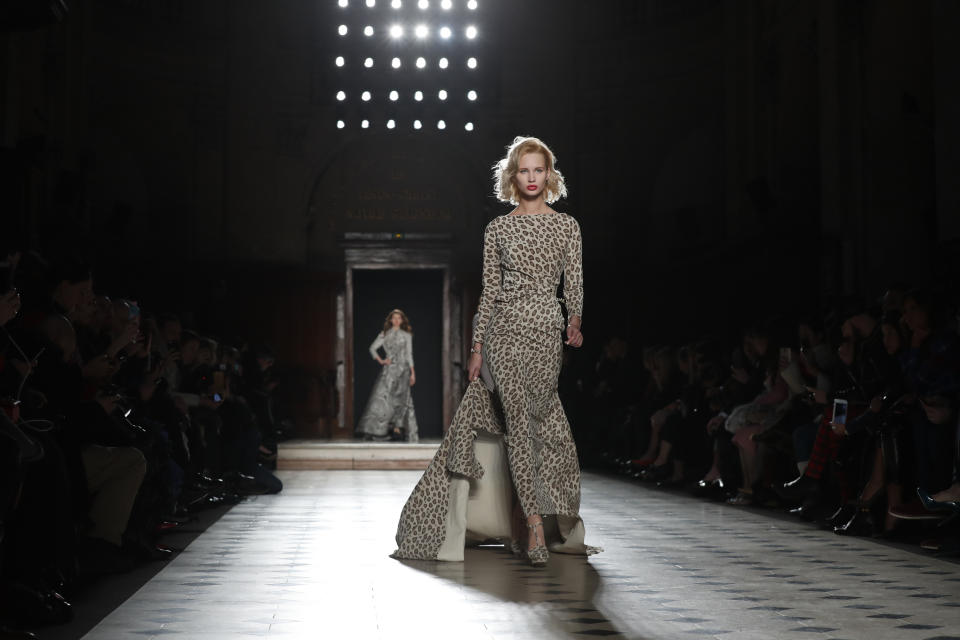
[313,562]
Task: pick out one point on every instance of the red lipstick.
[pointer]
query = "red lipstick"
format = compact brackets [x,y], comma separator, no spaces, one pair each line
[531,187]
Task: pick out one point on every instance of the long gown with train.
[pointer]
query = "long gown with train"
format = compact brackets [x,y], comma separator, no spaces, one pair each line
[512,442]
[391,402]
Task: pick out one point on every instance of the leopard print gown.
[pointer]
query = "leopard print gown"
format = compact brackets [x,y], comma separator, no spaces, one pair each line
[519,324]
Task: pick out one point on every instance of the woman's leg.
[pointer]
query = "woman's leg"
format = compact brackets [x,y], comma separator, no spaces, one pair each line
[525,372]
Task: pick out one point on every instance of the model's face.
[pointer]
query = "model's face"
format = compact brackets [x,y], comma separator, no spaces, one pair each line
[531,174]
[396,320]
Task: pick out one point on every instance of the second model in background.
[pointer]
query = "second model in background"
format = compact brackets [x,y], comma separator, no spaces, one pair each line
[389,412]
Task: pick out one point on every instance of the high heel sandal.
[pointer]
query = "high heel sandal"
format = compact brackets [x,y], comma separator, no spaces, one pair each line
[539,555]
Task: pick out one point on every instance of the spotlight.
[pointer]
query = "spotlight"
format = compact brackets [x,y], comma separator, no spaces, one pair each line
[396,4]
[365,124]
[442,94]
[446,5]
[468,126]
[368,63]
[418,96]
[421,63]
[365,96]
[471,32]
[424,4]
[396,31]
[340,123]
[342,30]
[472,5]
[342,3]
[394,95]
[472,63]
[340,61]
[391,124]
[371,3]
[416,124]
[368,31]
[341,96]
[395,63]
[445,33]
[441,124]
[471,95]
[443,63]
[421,31]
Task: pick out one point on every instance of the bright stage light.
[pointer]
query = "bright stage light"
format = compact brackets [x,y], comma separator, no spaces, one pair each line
[416,124]
[341,96]
[472,63]
[368,31]
[424,4]
[395,63]
[396,4]
[445,33]
[471,32]
[446,5]
[365,124]
[418,96]
[340,61]
[442,94]
[472,5]
[468,126]
[365,96]
[441,124]
[341,124]
[396,31]
[394,95]
[391,124]
[368,63]
[342,30]
[421,31]
[371,3]
[471,95]
[443,63]
[342,3]
[421,63]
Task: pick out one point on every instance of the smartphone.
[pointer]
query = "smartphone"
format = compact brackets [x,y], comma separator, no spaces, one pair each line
[786,354]
[134,311]
[217,397]
[840,411]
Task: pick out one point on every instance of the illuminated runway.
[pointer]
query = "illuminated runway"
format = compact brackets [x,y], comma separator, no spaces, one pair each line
[313,562]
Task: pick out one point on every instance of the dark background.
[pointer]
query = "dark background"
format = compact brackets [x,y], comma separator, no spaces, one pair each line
[419,293]
[724,157]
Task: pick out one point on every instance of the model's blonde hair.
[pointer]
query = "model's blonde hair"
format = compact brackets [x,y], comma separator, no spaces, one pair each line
[404,325]
[504,186]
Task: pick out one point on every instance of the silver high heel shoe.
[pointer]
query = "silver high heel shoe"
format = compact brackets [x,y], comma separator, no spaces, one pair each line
[539,555]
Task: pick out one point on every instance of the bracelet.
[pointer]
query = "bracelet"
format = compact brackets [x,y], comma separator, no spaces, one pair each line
[475,349]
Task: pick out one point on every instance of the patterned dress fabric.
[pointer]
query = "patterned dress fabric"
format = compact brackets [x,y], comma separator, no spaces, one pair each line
[391,403]
[519,324]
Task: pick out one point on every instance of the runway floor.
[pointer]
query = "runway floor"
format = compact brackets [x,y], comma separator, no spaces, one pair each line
[313,562]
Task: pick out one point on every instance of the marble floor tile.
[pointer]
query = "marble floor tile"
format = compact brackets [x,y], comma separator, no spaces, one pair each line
[314,562]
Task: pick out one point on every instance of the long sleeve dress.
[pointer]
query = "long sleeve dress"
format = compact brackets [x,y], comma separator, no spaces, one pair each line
[516,438]
[391,403]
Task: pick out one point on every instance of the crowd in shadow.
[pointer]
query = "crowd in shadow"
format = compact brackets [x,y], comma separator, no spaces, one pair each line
[118,426]
[848,418]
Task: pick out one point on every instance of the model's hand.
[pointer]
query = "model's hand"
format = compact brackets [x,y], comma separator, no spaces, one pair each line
[385,361]
[473,366]
[574,337]
[413,378]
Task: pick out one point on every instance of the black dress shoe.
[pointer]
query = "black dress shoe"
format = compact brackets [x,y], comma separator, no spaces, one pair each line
[798,488]
[861,523]
[656,473]
[840,516]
